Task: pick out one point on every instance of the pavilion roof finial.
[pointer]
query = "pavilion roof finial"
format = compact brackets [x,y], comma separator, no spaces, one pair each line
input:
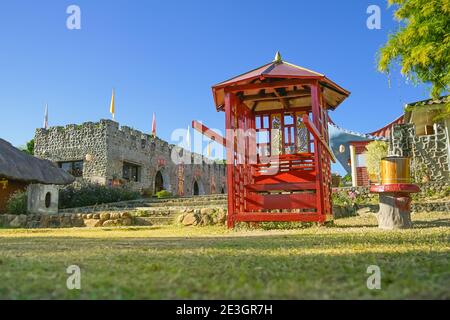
[277,57]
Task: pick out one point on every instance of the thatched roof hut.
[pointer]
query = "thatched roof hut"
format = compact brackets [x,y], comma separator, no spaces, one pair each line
[19,166]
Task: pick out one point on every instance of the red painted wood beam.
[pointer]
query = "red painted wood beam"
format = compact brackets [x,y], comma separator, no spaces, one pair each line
[209,133]
[299,217]
[282,186]
[269,85]
[395,188]
[312,128]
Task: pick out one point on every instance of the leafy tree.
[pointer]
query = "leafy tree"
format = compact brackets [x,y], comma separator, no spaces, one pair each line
[421,45]
[29,147]
[376,150]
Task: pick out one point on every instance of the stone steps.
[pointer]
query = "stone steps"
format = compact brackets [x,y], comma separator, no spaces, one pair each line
[150,221]
[148,204]
[147,212]
[181,205]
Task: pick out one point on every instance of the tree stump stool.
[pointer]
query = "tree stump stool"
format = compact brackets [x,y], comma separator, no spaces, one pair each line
[395,205]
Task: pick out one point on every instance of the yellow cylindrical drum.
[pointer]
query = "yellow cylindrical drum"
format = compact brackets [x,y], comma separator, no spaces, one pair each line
[395,170]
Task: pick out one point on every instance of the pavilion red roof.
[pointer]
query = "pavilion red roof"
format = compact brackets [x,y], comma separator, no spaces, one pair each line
[282,70]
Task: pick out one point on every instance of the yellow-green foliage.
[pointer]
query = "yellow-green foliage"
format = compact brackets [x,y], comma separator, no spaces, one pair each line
[376,150]
[163,194]
[421,44]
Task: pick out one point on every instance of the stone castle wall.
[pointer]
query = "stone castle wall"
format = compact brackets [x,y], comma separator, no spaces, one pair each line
[73,143]
[429,154]
[104,147]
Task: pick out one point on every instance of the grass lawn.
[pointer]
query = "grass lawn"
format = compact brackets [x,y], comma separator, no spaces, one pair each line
[214,263]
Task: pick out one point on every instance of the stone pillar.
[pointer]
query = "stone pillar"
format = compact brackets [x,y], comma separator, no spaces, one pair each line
[353,165]
[43,199]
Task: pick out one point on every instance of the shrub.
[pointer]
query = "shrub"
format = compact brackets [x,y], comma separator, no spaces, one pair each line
[17,203]
[88,194]
[163,194]
[341,198]
[346,180]
[376,150]
[351,196]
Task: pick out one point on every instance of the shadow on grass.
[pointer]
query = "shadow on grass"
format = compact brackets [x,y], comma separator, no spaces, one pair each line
[184,269]
[419,224]
[229,241]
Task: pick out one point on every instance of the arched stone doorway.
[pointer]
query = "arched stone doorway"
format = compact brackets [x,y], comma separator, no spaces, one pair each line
[159,182]
[196,189]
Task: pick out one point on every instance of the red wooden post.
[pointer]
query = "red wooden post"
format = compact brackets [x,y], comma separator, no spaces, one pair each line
[229,125]
[317,147]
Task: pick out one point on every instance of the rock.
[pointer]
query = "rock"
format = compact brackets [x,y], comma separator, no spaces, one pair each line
[364,211]
[44,221]
[206,220]
[90,216]
[92,223]
[77,222]
[32,224]
[125,215]
[9,218]
[54,221]
[105,216]
[66,222]
[204,211]
[96,216]
[221,216]
[180,218]
[114,215]
[19,221]
[127,222]
[142,221]
[190,219]
[109,223]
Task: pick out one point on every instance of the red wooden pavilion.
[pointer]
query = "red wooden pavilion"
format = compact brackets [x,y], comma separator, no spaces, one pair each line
[277,143]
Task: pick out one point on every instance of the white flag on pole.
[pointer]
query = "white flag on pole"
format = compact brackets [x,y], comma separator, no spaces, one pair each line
[188,139]
[46,117]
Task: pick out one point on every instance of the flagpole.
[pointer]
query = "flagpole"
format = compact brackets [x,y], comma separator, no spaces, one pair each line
[154,125]
[46,116]
[112,107]
[188,138]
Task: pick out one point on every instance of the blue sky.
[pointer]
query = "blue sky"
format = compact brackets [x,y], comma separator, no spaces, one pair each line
[164,56]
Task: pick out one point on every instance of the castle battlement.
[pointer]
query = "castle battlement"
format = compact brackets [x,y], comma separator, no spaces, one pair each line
[108,152]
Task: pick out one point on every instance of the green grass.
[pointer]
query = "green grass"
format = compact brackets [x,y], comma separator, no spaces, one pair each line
[214,263]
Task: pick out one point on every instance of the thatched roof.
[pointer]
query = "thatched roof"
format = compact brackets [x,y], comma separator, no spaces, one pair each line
[17,165]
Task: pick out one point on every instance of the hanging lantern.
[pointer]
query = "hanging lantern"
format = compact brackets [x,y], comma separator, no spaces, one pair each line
[341,148]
